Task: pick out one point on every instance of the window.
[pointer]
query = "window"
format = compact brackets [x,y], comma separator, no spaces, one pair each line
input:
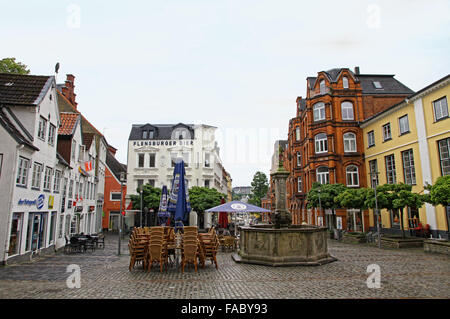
[36,176]
[319,111]
[42,128]
[141,160]
[173,158]
[151,182]
[61,227]
[321,143]
[391,177]
[377,85]
[440,108]
[299,184]
[403,124]
[371,138]
[323,176]
[115,196]
[349,142]
[140,182]
[409,171]
[299,159]
[47,178]
[347,111]
[1,164]
[70,189]
[444,155]
[322,87]
[373,168]
[74,148]
[395,219]
[51,134]
[207,183]
[52,228]
[22,171]
[144,134]
[345,82]
[207,162]
[81,154]
[387,132]
[57,181]
[352,175]
[151,134]
[16,234]
[152,159]
[186,159]
[297,133]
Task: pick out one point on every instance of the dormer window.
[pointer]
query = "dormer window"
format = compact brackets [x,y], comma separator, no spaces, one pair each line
[322,87]
[144,134]
[377,84]
[345,82]
[151,134]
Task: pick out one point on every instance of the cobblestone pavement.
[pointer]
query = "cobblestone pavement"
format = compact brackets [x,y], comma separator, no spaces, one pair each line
[406,273]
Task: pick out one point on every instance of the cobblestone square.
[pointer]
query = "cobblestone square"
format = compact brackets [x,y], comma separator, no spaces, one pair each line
[406,273]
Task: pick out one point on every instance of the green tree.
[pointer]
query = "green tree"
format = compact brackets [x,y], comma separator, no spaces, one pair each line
[9,65]
[151,197]
[203,198]
[260,185]
[352,198]
[439,192]
[322,195]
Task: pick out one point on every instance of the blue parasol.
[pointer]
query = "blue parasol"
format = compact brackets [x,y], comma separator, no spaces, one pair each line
[179,204]
[163,214]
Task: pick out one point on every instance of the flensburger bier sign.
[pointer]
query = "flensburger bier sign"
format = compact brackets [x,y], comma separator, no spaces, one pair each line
[164,143]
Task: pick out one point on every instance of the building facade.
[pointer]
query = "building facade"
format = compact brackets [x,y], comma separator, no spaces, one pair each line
[153,150]
[30,169]
[409,143]
[325,140]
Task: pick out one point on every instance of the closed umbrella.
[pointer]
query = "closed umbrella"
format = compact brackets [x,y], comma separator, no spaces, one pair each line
[223,217]
[179,204]
[163,214]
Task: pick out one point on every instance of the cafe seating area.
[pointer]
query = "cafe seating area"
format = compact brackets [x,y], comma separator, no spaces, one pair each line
[81,243]
[165,248]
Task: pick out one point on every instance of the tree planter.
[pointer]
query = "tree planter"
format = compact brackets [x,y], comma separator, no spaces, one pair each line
[437,246]
[398,242]
[354,238]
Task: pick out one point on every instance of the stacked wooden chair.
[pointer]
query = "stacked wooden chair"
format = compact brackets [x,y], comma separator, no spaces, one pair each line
[190,247]
[157,248]
[210,245]
[137,246]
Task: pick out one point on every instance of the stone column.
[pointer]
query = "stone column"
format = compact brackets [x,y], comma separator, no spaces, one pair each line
[283,217]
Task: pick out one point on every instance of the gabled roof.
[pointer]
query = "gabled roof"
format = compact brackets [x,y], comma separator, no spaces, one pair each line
[27,90]
[87,140]
[162,132]
[114,165]
[13,126]
[68,123]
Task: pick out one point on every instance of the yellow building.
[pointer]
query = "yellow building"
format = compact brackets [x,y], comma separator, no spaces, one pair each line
[410,143]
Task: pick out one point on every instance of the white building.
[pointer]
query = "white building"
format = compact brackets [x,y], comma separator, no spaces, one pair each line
[154,148]
[30,171]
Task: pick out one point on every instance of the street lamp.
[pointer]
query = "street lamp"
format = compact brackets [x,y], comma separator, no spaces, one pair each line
[141,190]
[374,177]
[122,180]
[320,203]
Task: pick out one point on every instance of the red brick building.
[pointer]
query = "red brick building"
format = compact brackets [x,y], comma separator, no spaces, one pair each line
[111,206]
[325,142]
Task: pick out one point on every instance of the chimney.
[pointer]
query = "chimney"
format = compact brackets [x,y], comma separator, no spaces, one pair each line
[69,89]
[357,70]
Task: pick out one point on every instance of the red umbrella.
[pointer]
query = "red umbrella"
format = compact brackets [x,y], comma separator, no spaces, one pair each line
[223,217]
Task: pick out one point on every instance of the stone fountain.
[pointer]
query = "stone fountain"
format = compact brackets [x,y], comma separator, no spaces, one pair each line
[281,243]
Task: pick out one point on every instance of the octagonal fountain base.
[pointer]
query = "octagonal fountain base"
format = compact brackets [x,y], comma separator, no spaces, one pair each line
[296,245]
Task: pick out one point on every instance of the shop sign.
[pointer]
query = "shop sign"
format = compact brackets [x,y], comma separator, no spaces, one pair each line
[78,209]
[39,202]
[51,200]
[164,143]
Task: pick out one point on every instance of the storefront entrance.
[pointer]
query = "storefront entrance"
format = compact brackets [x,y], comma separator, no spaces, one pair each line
[37,231]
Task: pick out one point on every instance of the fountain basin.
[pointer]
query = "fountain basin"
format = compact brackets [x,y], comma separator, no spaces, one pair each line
[296,245]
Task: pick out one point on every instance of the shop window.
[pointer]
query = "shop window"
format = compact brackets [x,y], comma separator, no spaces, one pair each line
[413,217]
[395,219]
[16,234]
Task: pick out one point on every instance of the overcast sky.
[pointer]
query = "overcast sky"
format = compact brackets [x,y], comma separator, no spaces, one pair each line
[235,64]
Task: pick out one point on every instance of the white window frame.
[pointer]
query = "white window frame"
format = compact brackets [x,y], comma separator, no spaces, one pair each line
[48,172]
[36,176]
[352,175]
[22,171]
[345,107]
[51,134]
[319,111]
[323,176]
[391,174]
[442,107]
[111,196]
[350,145]
[345,82]
[387,132]
[57,181]
[139,159]
[42,128]
[371,138]
[299,184]
[207,160]
[299,159]
[322,87]
[321,143]
[409,169]
[403,127]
